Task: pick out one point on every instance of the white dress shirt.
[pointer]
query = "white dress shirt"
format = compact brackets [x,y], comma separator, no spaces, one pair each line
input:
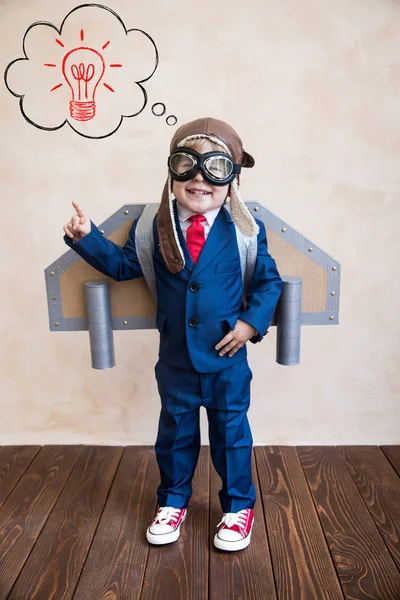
[184,214]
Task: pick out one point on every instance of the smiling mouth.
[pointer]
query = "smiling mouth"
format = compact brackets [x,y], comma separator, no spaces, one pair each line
[199,192]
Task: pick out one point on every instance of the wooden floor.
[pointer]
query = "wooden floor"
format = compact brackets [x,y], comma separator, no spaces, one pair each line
[73,520]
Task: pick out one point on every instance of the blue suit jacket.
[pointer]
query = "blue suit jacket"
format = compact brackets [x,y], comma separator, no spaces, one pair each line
[198,306]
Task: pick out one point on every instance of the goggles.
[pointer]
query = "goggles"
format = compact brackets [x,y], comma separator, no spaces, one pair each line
[217,168]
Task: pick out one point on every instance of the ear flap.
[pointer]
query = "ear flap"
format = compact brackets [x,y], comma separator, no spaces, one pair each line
[168,236]
[240,214]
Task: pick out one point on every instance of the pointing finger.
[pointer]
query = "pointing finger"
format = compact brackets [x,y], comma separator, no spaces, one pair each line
[78,209]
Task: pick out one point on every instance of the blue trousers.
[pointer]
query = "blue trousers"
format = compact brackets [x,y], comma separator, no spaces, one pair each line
[226,397]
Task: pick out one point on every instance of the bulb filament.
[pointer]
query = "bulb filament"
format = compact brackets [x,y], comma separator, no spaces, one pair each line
[82,74]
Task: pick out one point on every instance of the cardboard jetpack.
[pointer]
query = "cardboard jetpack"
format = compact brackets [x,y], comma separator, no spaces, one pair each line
[80,298]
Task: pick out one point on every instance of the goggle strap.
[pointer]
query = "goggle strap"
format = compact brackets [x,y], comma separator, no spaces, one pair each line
[236,167]
[198,136]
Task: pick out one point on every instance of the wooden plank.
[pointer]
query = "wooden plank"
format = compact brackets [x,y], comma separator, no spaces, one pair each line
[392,453]
[14,460]
[54,565]
[362,560]
[25,511]
[246,574]
[117,558]
[379,485]
[180,570]
[301,561]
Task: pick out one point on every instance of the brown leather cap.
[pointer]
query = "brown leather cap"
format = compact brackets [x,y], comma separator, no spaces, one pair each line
[169,243]
[219,129]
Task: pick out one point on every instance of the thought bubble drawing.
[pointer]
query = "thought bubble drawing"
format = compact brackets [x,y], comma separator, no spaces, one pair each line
[89,73]
[159,109]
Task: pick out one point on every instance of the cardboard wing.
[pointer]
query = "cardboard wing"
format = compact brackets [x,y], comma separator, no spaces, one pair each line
[131,305]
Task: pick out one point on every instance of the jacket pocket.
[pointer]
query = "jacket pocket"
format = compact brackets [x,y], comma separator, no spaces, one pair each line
[160,321]
[230,266]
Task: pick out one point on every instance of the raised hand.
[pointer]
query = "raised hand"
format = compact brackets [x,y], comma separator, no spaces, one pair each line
[79,225]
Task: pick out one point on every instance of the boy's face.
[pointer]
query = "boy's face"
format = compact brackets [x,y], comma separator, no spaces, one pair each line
[197,195]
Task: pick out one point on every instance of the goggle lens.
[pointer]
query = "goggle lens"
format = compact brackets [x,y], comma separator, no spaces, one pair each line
[217,168]
[182,163]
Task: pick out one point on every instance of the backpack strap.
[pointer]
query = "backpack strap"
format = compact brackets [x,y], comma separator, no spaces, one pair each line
[248,254]
[144,242]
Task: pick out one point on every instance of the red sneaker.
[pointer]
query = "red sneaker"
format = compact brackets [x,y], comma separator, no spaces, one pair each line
[166,525]
[235,533]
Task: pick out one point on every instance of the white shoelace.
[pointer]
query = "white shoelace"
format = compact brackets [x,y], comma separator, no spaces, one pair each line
[231,519]
[166,513]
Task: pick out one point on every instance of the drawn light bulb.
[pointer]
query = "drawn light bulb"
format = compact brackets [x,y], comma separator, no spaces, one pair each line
[83,69]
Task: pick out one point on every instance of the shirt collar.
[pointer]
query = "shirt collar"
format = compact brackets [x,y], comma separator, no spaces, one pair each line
[184,214]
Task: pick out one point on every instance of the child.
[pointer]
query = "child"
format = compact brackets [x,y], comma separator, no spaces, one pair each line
[203,323]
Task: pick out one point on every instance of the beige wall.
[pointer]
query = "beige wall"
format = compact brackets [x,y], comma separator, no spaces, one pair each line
[314,89]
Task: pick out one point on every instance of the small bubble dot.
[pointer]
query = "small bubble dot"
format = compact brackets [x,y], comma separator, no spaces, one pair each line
[171,120]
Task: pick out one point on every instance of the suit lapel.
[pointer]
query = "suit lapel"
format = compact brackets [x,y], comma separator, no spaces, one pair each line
[220,234]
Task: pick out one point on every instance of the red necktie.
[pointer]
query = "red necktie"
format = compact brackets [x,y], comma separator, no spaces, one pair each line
[195,237]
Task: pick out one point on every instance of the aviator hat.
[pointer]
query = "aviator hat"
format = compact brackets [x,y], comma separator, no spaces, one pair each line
[222,134]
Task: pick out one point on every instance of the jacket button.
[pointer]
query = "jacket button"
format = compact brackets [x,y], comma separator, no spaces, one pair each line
[194,321]
[194,286]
